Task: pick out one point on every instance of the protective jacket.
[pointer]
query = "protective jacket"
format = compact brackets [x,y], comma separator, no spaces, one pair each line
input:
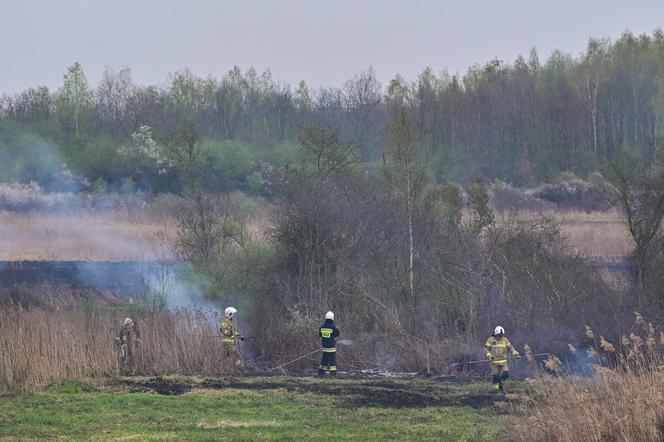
[328,332]
[498,349]
[128,341]
[229,331]
[128,334]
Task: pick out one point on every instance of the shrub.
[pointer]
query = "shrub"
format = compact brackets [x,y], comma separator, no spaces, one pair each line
[569,192]
[225,164]
[504,197]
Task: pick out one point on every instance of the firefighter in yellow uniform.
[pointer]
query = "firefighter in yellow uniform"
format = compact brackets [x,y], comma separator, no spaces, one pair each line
[231,334]
[498,349]
[128,341]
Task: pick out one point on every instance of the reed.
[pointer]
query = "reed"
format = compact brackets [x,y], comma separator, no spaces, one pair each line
[38,346]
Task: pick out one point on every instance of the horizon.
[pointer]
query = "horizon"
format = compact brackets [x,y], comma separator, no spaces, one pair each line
[158,39]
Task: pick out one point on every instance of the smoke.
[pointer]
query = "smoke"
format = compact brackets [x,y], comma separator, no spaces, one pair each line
[138,267]
[26,157]
[175,285]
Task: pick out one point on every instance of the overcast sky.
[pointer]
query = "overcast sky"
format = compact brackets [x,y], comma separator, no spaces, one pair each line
[322,42]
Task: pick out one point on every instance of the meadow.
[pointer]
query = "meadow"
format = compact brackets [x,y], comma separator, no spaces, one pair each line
[254,408]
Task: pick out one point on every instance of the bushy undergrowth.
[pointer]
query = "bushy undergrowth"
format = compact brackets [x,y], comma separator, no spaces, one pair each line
[567,192]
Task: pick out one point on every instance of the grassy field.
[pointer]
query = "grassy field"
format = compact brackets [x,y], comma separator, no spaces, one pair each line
[255,408]
[113,235]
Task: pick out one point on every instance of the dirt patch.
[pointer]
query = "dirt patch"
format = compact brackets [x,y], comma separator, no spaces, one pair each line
[159,386]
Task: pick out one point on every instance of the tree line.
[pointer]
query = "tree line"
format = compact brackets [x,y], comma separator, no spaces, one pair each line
[522,122]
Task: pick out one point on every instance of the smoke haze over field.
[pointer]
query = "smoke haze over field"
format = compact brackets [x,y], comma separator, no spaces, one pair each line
[323,43]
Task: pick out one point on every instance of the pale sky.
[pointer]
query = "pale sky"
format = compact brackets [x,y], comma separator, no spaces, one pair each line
[323,42]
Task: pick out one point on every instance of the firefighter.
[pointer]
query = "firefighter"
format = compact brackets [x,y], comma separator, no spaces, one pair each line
[128,341]
[231,334]
[498,349]
[328,332]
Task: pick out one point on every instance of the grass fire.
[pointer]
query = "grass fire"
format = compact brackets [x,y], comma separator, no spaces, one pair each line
[371,234]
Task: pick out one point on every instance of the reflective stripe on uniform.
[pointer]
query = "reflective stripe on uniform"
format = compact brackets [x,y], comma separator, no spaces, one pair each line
[229,341]
[333,368]
[329,350]
[326,332]
[499,361]
[499,346]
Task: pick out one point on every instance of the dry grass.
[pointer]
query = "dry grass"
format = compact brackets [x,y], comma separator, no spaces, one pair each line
[114,235]
[596,234]
[104,236]
[38,345]
[614,406]
[92,236]
[622,401]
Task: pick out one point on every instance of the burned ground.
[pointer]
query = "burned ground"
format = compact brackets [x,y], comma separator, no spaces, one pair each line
[394,393]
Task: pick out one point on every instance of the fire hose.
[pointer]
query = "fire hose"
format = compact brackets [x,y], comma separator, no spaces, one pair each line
[456,364]
[347,342]
[242,338]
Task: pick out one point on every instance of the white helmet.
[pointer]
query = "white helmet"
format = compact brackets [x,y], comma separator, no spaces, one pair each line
[499,331]
[329,315]
[229,312]
[128,321]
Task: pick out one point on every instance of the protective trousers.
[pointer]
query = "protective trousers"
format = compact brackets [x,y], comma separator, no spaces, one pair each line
[500,372]
[328,362]
[232,356]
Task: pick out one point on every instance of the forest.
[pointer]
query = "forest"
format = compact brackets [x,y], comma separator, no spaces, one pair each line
[522,122]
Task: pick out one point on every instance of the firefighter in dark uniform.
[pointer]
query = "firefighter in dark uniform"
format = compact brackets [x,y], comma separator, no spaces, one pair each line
[328,333]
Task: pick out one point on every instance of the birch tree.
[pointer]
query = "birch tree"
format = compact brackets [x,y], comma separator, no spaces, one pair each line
[593,67]
[404,165]
[75,93]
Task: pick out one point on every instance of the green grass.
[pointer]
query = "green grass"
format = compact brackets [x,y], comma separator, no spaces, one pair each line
[252,408]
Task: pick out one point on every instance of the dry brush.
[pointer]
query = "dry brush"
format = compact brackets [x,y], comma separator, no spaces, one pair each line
[620,398]
[38,346]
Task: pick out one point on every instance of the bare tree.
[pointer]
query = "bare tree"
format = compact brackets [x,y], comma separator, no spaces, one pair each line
[362,95]
[112,96]
[640,195]
[231,101]
[184,151]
